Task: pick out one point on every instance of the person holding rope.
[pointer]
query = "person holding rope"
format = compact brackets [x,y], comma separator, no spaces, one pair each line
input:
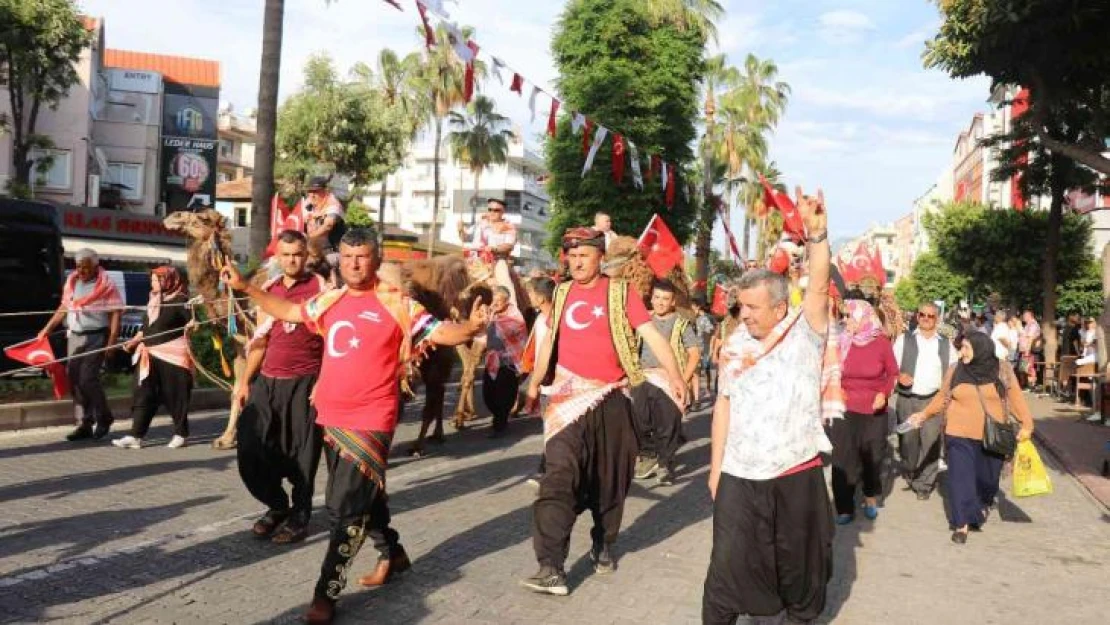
[91,306]
[371,331]
[165,368]
[278,437]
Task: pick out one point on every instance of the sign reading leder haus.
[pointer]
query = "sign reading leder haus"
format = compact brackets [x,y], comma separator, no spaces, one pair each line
[95,223]
[189,146]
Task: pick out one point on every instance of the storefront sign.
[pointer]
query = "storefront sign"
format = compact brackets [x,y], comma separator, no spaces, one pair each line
[189,149]
[134,80]
[95,223]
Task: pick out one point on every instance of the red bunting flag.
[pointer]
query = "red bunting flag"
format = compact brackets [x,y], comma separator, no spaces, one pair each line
[618,158]
[728,231]
[551,117]
[468,85]
[38,353]
[518,84]
[670,186]
[395,4]
[660,247]
[656,165]
[791,219]
[429,34]
[586,136]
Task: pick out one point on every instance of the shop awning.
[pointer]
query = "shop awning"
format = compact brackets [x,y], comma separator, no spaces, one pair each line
[125,250]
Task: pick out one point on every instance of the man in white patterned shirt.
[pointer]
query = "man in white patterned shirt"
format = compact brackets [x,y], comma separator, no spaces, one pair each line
[772,521]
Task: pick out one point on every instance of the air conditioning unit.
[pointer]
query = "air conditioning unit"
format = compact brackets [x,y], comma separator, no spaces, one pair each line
[94,190]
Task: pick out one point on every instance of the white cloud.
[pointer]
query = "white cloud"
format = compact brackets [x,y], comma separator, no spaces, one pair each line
[917,38]
[844,26]
[741,33]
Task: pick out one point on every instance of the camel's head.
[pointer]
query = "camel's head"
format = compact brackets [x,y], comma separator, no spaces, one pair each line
[198,226]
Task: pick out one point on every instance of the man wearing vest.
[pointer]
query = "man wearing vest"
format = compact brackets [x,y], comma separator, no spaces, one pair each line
[588,362]
[371,332]
[923,357]
[658,414]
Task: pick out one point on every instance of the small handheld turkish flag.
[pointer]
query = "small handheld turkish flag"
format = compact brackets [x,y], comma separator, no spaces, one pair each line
[792,223]
[660,247]
[38,353]
[720,301]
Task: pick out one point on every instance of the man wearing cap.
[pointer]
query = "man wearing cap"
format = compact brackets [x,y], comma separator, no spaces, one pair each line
[588,363]
[327,219]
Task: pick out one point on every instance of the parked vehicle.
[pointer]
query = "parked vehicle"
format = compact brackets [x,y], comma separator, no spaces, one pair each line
[30,272]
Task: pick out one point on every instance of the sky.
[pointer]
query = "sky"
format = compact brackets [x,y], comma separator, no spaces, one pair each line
[865,121]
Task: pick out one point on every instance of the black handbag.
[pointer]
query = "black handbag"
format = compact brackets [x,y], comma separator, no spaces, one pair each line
[999,438]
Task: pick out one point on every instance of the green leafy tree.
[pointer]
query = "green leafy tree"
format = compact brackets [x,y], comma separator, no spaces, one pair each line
[479,139]
[1056,48]
[1083,293]
[1001,251]
[636,74]
[930,281]
[40,44]
[338,127]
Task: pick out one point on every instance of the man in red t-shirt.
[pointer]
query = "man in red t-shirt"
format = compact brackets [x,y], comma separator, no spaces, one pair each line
[589,438]
[371,332]
[278,437]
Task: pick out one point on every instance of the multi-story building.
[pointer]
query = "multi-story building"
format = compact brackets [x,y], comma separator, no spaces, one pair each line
[237,135]
[520,182]
[132,140]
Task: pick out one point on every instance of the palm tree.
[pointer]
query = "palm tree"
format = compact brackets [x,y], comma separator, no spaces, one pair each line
[699,14]
[479,139]
[442,77]
[262,182]
[395,79]
[718,75]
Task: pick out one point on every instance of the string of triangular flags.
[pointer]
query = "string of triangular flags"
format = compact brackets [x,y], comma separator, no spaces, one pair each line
[593,134]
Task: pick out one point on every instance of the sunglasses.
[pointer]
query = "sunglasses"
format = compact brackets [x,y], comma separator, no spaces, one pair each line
[922,315]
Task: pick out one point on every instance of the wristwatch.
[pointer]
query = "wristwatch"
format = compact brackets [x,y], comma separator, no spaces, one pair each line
[819,238]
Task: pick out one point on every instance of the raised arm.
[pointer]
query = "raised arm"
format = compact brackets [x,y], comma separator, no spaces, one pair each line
[816,302]
[273,305]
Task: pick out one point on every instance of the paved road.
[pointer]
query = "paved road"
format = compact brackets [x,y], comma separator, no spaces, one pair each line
[92,534]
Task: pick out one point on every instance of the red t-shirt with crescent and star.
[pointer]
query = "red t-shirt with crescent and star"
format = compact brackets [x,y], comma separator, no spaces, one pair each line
[585,341]
[358,388]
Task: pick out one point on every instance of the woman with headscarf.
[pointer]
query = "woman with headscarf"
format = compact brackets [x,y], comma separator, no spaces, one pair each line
[165,369]
[868,371]
[979,385]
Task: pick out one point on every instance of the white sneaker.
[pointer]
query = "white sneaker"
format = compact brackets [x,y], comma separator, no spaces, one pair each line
[128,442]
[176,442]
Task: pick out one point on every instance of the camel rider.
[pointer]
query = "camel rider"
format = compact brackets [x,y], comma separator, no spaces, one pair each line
[327,219]
[492,240]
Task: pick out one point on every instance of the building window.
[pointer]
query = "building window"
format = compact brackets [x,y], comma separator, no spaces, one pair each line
[57,176]
[240,217]
[129,177]
[222,177]
[226,148]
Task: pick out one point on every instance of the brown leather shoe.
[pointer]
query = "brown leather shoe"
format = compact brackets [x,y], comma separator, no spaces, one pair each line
[398,563]
[320,612]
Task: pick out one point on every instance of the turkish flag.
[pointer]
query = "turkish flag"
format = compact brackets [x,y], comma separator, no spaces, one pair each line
[38,353]
[791,219]
[283,218]
[618,158]
[551,126]
[660,247]
[468,78]
[719,306]
[518,84]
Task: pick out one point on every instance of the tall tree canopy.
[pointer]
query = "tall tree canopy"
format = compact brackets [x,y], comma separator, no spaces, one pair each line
[635,74]
[1056,48]
[339,127]
[1001,251]
[40,43]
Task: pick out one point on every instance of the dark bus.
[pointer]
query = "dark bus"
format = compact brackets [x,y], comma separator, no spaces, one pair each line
[31,271]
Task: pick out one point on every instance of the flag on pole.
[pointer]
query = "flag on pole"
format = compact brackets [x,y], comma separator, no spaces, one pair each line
[660,247]
[791,220]
[38,353]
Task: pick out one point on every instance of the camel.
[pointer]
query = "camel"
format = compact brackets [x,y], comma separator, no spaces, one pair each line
[442,285]
[209,248]
[624,259]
